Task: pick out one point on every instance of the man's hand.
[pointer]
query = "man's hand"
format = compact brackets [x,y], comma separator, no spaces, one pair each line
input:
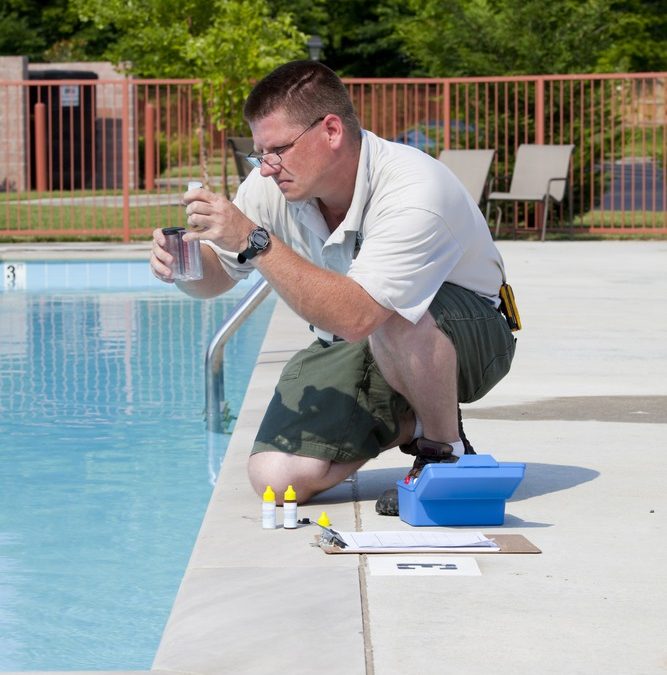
[212,216]
[160,258]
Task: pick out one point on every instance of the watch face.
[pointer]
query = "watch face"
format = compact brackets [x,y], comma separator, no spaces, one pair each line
[259,238]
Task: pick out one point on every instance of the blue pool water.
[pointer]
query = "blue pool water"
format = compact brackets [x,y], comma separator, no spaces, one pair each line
[105,464]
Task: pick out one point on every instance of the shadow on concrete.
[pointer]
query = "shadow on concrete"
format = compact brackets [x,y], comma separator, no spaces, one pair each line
[515,521]
[631,409]
[539,479]
[368,485]
[371,483]
[542,479]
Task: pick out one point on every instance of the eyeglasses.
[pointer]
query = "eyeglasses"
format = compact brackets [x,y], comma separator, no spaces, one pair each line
[274,157]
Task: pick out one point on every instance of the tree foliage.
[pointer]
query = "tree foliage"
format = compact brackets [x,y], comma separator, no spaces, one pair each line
[510,37]
[222,40]
[48,30]
[501,37]
[226,43]
[639,37]
[16,34]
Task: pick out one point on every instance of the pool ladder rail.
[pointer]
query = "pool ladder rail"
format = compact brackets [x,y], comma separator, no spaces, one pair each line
[214,368]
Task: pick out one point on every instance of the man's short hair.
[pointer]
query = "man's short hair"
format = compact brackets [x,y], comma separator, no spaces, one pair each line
[306,90]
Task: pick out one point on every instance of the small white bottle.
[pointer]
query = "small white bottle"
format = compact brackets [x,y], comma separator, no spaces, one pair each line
[289,508]
[269,509]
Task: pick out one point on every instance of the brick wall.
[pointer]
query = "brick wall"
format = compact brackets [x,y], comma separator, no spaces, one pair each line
[15,113]
[12,124]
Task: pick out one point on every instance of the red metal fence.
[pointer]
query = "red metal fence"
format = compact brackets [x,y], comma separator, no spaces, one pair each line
[110,159]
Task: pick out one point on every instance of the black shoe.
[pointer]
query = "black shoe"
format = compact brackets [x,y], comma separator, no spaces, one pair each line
[387,503]
[426,452]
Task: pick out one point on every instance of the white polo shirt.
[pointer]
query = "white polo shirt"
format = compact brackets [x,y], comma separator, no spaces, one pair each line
[414,224]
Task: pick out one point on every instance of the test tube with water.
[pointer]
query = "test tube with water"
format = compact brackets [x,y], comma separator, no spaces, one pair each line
[187,264]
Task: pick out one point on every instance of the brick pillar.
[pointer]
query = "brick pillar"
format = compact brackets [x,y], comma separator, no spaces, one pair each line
[13,123]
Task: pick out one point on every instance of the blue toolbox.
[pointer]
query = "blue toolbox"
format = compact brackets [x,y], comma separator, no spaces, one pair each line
[471,491]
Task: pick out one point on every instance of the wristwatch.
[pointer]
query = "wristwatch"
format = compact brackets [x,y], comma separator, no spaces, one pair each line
[258,241]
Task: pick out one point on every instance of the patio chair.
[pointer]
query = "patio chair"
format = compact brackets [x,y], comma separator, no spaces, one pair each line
[541,176]
[471,167]
[240,147]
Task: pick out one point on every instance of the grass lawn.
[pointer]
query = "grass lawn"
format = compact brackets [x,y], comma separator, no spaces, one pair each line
[74,215]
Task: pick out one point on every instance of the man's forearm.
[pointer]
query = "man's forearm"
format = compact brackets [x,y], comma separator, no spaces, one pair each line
[328,300]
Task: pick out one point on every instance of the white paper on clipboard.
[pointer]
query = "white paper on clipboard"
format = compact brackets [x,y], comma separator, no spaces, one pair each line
[417,540]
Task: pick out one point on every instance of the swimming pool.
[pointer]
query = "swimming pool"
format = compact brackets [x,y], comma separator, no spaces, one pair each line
[105,464]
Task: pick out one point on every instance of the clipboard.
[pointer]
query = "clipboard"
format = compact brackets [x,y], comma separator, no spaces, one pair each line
[507,543]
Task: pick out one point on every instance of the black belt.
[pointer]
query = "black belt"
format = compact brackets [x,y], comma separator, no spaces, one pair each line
[322,341]
[326,343]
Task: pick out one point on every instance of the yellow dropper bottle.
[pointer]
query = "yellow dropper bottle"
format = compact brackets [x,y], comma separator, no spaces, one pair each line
[323,520]
[289,508]
[269,509]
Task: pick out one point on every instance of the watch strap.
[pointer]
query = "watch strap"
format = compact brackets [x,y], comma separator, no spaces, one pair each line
[253,249]
[246,255]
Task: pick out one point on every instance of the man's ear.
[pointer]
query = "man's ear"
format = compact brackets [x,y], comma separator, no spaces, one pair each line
[335,130]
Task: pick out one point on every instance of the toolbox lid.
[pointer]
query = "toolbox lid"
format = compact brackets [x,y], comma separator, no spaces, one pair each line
[472,477]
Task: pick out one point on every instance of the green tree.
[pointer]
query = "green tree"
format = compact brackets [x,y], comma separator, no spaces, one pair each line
[501,37]
[228,44]
[17,37]
[357,42]
[48,31]
[638,37]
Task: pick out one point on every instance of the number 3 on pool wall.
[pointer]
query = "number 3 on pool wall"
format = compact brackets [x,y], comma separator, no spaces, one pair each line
[14,276]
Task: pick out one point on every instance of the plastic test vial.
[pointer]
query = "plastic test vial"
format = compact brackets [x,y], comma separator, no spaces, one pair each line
[187,254]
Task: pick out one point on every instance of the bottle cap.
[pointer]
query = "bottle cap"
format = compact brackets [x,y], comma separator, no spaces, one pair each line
[323,520]
[194,184]
[269,495]
[290,495]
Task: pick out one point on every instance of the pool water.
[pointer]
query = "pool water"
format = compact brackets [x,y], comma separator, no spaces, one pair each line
[105,466]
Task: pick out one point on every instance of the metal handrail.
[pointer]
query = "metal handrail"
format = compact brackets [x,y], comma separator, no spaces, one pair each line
[215,376]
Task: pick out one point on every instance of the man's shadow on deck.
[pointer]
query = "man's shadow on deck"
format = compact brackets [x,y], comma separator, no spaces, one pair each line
[539,479]
[369,483]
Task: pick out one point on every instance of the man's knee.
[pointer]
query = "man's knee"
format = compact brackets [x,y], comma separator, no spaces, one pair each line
[268,468]
[280,469]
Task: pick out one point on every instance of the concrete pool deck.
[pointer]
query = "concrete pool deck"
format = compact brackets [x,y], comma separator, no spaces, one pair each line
[585,408]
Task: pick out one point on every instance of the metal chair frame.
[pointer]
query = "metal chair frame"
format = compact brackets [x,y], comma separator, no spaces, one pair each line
[541,176]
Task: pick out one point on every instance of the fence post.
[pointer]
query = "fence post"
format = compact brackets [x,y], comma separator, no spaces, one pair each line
[539,111]
[447,116]
[125,141]
[539,138]
[149,148]
[40,147]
